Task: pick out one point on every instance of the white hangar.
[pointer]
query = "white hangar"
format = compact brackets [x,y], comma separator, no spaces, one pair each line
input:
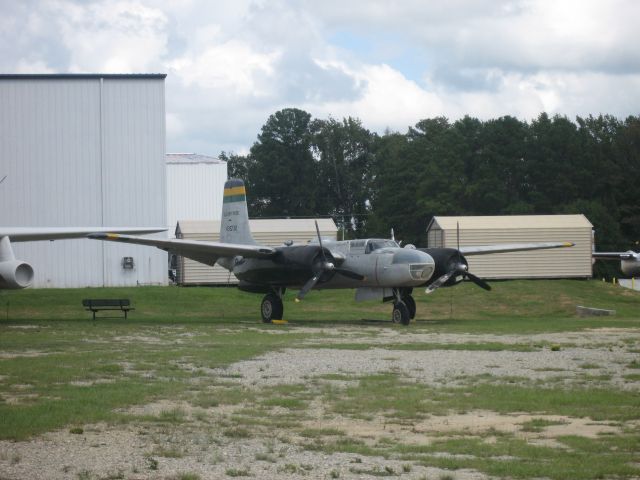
[574,262]
[84,150]
[195,187]
[271,232]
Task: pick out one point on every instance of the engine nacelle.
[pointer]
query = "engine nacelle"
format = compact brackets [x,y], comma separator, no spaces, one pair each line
[15,274]
[446,259]
[631,268]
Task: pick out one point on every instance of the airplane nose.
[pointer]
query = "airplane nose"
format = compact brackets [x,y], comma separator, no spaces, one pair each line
[421,264]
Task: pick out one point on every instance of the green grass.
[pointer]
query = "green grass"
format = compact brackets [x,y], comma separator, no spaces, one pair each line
[60,369]
[529,305]
[396,399]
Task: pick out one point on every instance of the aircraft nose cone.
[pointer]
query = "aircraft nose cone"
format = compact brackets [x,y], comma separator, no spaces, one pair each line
[421,265]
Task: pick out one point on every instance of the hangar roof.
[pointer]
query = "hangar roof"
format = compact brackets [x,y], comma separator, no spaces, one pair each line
[189,158]
[511,222]
[47,76]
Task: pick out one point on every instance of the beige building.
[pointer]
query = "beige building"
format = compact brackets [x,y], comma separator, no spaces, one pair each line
[571,262]
[270,232]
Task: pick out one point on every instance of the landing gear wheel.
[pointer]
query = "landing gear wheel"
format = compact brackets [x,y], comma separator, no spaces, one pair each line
[271,308]
[400,313]
[411,306]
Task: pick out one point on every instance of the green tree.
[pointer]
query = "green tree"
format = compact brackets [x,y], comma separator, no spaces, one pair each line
[344,152]
[281,168]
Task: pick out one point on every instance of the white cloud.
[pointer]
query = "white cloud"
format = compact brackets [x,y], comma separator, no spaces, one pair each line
[232,64]
[112,37]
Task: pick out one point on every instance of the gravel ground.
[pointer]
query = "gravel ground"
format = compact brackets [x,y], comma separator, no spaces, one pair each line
[131,451]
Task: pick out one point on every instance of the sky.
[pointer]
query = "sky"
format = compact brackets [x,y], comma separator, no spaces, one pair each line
[231,64]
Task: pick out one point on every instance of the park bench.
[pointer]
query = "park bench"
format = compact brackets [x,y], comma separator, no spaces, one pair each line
[96,305]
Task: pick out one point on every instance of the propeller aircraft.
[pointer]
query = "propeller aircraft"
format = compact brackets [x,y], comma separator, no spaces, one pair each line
[376,268]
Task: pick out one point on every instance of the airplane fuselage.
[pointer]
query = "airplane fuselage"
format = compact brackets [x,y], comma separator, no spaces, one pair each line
[382,262]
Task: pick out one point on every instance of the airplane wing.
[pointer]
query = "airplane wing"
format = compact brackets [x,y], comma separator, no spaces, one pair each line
[200,251]
[512,247]
[614,255]
[29,234]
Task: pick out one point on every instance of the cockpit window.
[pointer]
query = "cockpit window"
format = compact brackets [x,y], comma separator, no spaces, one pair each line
[373,245]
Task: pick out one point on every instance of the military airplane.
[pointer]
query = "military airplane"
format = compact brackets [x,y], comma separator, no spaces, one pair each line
[16,274]
[376,268]
[629,261]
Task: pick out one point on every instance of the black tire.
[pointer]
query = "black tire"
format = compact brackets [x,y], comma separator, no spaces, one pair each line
[271,308]
[411,306]
[400,313]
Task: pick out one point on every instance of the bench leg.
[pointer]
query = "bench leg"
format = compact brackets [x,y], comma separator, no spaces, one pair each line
[125,314]
[94,315]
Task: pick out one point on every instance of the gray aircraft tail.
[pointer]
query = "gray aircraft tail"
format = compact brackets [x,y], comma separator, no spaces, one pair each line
[234,227]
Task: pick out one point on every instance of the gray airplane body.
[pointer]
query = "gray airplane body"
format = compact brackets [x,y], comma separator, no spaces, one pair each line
[376,268]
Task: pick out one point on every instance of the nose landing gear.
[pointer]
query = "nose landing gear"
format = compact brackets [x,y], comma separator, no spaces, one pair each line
[404,307]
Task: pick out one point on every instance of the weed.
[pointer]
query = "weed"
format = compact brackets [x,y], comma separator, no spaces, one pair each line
[237,432]
[238,472]
[188,476]
[152,463]
[589,366]
[76,430]
[168,452]
[538,424]
[265,457]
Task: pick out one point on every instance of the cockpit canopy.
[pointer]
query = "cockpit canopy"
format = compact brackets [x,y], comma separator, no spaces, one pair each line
[376,244]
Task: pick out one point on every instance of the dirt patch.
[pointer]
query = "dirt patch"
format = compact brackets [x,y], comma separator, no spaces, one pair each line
[23,354]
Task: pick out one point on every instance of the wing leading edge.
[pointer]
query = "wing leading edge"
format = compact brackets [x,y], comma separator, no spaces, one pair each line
[200,251]
[512,247]
[630,255]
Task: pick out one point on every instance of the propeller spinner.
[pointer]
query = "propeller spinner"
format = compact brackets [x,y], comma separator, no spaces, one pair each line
[323,267]
[458,268]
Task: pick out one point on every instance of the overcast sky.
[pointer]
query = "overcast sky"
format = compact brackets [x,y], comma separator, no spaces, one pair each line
[231,64]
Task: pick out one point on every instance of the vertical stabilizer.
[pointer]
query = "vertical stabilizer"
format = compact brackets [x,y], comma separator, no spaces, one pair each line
[234,227]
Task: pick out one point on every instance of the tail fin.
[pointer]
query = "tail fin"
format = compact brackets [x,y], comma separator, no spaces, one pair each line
[234,227]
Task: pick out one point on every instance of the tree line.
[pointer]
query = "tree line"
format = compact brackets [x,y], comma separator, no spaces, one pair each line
[369,183]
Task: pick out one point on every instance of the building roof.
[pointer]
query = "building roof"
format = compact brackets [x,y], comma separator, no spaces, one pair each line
[260,225]
[511,222]
[57,76]
[189,158]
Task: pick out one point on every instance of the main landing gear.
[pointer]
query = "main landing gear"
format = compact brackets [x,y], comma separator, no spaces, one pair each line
[271,307]
[404,307]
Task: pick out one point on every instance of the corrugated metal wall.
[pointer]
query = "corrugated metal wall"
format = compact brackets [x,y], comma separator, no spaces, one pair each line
[272,233]
[194,191]
[84,152]
[574,262]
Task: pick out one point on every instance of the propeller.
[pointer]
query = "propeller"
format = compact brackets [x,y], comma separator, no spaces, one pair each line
[323,267]
[458,268]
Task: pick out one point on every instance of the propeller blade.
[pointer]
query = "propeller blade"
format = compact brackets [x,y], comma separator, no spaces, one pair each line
[324,257]
[308,286]
[440,281]
[478,281]
[349,274]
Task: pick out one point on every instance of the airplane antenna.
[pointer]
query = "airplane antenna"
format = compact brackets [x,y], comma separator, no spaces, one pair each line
[4,178]
[393,237]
